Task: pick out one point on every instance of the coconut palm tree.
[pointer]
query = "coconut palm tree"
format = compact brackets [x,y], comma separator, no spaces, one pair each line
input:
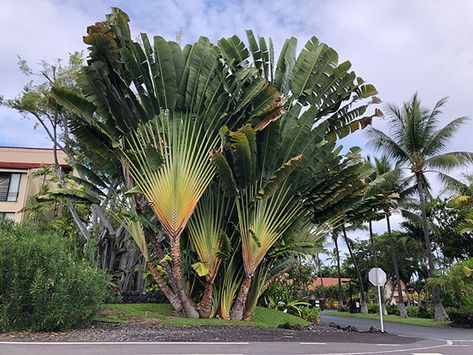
[383,168]
[339,271]
[416,142]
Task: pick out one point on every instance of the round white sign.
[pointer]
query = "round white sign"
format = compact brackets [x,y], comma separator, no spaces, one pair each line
[377,276]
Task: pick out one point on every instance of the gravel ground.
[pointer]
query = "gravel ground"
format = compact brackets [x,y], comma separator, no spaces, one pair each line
[108,332]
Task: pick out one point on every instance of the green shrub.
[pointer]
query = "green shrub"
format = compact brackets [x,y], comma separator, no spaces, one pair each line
[310,314]
[393,309]
[373,308]
[413,311]
[461,318]
[427,313]
[42,285]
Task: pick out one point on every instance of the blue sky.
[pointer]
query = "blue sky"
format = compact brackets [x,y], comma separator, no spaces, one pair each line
[400,46]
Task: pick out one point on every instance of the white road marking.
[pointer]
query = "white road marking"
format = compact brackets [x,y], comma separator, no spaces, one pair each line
[463,340]
[308,343]
[448,343]
[388,344]
[427,354]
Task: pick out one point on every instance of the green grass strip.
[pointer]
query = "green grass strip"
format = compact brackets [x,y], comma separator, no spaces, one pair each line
[394,319]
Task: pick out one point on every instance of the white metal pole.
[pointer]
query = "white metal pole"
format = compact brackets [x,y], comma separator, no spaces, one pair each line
[380,309]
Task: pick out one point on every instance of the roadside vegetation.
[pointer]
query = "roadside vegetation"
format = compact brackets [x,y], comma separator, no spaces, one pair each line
[213,173]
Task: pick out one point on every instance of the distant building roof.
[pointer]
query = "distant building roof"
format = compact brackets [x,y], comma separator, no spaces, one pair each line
[327,281]
[29,158]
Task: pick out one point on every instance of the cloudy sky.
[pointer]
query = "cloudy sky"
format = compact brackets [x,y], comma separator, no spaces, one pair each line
[401,46]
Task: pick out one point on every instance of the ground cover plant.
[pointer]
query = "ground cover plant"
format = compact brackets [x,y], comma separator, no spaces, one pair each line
[162,314]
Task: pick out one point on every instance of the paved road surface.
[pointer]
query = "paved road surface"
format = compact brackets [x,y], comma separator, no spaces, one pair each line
[422,347]
[436,340]
[445,333]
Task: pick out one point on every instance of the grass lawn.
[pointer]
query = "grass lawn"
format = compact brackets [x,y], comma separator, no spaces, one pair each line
[395,319]
[162,315]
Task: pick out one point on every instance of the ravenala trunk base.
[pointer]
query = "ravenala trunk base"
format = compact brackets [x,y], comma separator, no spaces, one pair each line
[239,306]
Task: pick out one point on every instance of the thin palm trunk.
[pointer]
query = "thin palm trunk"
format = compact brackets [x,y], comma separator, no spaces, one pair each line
[339,274]
[321,277]
[402,306]
[188,307]
[376,264]
[364,306]
[239,306]
[171,296]
[440,314]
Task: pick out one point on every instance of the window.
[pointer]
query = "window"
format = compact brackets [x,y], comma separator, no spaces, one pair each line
[9,186]
[7,215]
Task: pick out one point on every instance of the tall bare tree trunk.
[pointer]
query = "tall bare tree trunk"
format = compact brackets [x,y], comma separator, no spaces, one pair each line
[321,277]
[376,264]
[402,306]
[187,306]
[440,314]
[363,304]
[339,273]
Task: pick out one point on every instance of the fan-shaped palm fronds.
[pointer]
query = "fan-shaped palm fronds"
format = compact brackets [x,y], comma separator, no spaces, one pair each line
[209,240]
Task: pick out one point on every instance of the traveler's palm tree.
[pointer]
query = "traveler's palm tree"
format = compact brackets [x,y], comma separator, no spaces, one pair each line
[162,110]
[415,142]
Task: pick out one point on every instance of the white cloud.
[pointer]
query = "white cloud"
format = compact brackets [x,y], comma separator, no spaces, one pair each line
[400,46]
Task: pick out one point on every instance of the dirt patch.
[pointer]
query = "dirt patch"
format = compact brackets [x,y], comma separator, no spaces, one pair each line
[106,332]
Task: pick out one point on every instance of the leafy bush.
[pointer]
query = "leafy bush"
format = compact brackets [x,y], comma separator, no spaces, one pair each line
[427,313]
[413,311]
[461,318]
[373,308]
[42,285]
[310,314]
[393,309]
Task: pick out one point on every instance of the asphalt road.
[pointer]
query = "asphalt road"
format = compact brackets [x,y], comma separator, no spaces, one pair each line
[422,347]
[444,333]
[436,340]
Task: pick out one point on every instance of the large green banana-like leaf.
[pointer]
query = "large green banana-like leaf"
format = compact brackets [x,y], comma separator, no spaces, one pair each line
[278,178]
[287,58]
[315,61]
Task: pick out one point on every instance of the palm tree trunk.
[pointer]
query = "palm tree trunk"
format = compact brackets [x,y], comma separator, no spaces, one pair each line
[239,306]
[440,314]
[339,274]
[376,264]
[321,277]
[171,296]
[402,306]
[205,305]
[189,309]
[364,306]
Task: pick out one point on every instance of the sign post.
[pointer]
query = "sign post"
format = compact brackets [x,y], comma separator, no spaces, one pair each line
[378,278]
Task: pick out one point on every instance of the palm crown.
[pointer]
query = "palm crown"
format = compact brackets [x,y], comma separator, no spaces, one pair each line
[415,140]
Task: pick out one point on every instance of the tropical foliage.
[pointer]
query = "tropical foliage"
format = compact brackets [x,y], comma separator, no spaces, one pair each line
[226,155]
[416,142]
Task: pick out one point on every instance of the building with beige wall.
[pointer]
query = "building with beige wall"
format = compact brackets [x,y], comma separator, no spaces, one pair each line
[16,181]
